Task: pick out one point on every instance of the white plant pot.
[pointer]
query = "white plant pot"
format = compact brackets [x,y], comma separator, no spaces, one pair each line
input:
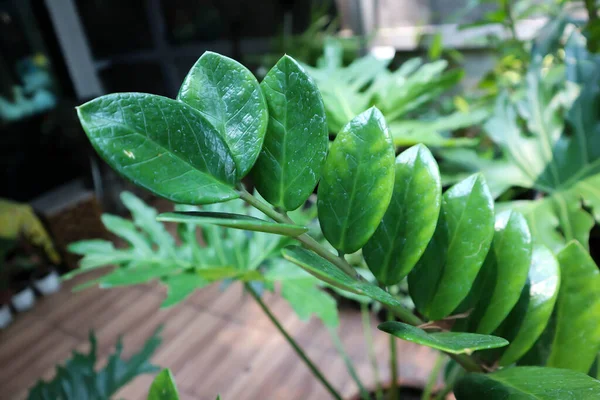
[24,300]
[5,316]
[48,284]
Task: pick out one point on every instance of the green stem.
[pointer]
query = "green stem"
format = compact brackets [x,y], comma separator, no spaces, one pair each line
[366,321]
[305,239]
[435,372]
[454,374]
[313,368]
[311,244]
[510,19]
[394,393]
[335,338]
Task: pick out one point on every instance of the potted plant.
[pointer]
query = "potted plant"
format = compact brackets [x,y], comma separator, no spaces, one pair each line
[484,290]
[5,292]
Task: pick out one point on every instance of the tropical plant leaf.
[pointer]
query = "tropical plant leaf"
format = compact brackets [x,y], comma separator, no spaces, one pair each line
[528,383]
[295,146]
[410,220]
[357,182]
[451,342]
[228,95]
[577,336]
[229,220]
[180,286]
[78,378]
[163,387]
[445,273]
[328,273]
[141,134]
[527,320]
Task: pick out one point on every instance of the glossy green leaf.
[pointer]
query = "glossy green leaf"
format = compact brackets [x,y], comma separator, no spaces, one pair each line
[295,146]
[162,145]
[504,273]
[180,286]
[410,220]
[528,383]
[529,319]
[163,387]
[451,342]
[357,182]
[445,273]
[237,221]
[228,95]
[332,275]
[577,336]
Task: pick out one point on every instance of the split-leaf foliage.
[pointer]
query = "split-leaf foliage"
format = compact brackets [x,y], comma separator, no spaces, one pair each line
[464,259]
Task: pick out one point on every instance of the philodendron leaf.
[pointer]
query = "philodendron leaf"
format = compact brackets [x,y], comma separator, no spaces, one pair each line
[445,273]
[357,182]
[237,221]
[577,336]
[504,273]
[410,220]
[530,318]
[329,273]
[180,286]
[535,383]
[163,387]
[451,342]
[295,146]
[228,95]
[162,145]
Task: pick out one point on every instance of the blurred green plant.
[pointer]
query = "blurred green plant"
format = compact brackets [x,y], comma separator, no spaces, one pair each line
[405,96]
[548,140]
[79,379]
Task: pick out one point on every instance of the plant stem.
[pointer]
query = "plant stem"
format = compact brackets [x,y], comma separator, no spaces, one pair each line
[510,19]
[366,321]
[310,243]
[454,374]
[313,368]
[335,338]
[394,394]
[439,363]
[305,239]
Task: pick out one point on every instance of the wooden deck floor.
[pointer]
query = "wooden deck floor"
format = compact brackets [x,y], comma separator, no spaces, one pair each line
[215,343]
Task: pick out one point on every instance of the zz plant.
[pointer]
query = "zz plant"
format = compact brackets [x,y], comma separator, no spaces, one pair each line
[464,261]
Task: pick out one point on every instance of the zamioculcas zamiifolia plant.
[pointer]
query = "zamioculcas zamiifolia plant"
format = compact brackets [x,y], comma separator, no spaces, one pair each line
[463,260]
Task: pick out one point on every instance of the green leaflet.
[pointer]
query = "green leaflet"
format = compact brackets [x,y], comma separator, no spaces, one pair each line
[295,146]
[162,145]
[451,342]
[357,182]
[229,220]
[527,321]
[229,97]
[410,220]
[503,274]
[330,274]
[577,336]
[163,387]
[528,383]
[445,273]
[126,229]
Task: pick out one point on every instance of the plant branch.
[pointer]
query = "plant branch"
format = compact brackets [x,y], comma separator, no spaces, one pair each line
[439,363]
[366,321]
[311,244]
[313,368]
[337,342]
[394,393]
